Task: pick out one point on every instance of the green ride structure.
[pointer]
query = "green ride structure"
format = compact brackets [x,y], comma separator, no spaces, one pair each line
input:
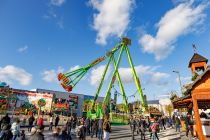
[70,79]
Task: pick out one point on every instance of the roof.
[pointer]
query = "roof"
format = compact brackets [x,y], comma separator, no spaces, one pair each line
[65,95]
[197,58]
[182,98]
[198,79]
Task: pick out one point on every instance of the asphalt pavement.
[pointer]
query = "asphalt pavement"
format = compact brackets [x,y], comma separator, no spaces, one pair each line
[123,133]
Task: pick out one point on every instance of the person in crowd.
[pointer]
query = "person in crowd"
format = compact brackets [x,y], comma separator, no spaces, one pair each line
[151,121]
[74,123]
[189,125]
[106,128]
[132,126]
[5,120]
[36,120]
[30,122]
[100,129]
[57,120]
[87,126]
[177,124]
[41,121]
[82,120]
[82,131]
[154,129]
[69,125]
[24,121]
[163,123]
[138,125]
[15,129]
[38,134]
[170,121]
[91,126]
[166,121]
[143,126]
[173,121]
[64,135]
[78,122]
[94,128]
[51,122]
[6,133]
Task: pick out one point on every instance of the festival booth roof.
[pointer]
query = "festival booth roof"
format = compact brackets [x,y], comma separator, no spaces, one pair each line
[3,84]
[186,101]
[197,58]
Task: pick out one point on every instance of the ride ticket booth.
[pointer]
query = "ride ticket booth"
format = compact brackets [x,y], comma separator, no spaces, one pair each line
[197,96]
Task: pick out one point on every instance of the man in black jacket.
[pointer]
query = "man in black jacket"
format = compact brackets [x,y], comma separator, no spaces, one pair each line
[5,120]
[6,133]
[57,121]
[30,122]
[188,125]
[94,127]
[132,126]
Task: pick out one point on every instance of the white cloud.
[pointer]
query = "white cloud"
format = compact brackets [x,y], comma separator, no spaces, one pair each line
[23,49]
[75,68]
[182,19]
[157,78]
[153,77]
[127,75]
[60,24]
[53,15]
[57,2]
[51,75]
[11,73]
[96,74]
[112,18]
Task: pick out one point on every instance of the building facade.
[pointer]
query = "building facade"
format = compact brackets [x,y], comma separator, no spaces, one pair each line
[65,96]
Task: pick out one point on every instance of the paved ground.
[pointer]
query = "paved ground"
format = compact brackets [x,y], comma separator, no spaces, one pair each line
[124,133]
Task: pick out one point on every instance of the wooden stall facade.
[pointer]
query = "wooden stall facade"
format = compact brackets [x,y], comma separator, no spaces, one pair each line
[197,95]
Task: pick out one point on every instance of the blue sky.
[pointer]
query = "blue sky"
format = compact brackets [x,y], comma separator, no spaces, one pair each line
[40,38]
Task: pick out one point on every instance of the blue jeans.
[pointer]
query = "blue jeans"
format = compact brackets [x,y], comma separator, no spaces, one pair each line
[177,127]
[154,136]
[14,137]
[100,133]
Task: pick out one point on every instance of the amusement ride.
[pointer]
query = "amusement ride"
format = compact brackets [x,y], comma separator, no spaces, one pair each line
[70,79]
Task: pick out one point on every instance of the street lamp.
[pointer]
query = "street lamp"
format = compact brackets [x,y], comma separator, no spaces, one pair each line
[180,84]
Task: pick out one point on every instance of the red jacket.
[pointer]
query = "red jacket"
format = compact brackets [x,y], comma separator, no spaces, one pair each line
[40,121]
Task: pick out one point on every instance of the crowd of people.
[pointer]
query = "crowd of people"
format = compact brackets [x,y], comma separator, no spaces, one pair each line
[156,124]
[82,127]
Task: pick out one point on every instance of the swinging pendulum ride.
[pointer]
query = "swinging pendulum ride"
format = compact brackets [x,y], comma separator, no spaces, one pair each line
[70,79]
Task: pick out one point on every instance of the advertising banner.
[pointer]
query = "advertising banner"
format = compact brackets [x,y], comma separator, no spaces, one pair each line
[33,98]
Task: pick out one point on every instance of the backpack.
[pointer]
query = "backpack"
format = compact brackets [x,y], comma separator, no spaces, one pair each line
[154,127]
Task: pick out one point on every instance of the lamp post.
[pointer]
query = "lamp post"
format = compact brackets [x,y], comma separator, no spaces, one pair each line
[180,84]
